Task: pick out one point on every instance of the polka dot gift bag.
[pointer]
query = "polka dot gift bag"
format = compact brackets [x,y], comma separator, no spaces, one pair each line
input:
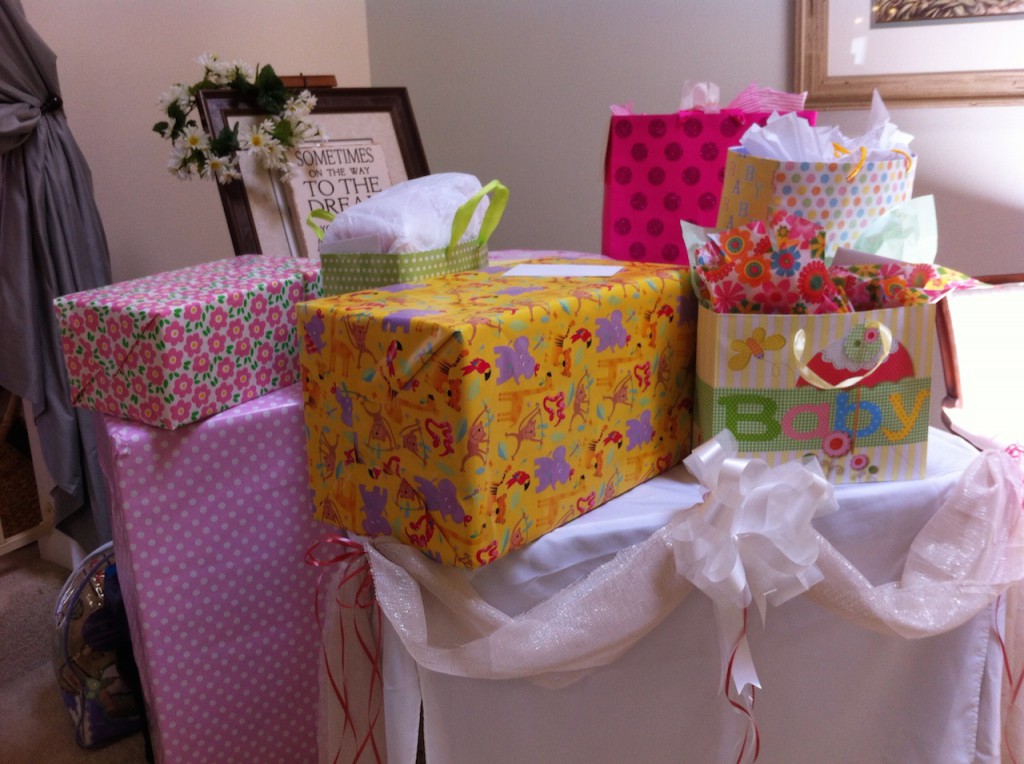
[841,184]
[663,168]
[416,231]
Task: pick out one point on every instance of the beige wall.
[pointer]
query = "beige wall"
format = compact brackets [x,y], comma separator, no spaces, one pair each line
[520,91]
[115,57]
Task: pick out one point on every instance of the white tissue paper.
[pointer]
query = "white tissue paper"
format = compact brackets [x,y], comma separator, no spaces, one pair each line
[791,138]
[702,96]
[413,216]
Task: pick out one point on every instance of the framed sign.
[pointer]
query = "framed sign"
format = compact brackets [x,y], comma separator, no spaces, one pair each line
[370,143]
[908,50]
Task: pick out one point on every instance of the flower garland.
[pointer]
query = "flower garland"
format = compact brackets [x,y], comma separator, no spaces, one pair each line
[195,153]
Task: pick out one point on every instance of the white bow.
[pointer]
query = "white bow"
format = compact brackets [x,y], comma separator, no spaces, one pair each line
[751,540]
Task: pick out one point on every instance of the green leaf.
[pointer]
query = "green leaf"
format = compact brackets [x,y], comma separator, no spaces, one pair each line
[161,127]
[226,141]
[283,132]
[180,119]
[271,92]
[242,85]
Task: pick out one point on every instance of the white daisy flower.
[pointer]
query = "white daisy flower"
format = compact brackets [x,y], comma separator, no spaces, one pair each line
[196,138]
[299,107]
[278,154]
[261,144]
[177,92]
[190,152]
[308,131]
[272,155]
[254,138]
[227,175]
[216,163]
[225,169]
[221,73]
[179,153]
[240,67]
[217,71]
[207,60]
[183,168]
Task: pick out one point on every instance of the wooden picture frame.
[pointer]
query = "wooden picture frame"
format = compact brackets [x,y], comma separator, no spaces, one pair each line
[262,214]
[827,88]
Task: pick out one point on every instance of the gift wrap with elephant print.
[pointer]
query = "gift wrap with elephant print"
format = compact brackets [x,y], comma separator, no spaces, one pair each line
[470,414]
[856,398]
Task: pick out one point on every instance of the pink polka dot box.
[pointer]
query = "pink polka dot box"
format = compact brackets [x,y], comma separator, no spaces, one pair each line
[180,346]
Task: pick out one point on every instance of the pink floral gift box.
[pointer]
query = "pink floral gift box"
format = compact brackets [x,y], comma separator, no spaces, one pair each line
[180,346]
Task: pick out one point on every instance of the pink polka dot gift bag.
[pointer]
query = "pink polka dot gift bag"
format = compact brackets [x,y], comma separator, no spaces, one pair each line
[663,168]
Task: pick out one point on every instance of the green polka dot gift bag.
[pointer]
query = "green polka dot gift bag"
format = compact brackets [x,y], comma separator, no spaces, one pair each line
[345,272]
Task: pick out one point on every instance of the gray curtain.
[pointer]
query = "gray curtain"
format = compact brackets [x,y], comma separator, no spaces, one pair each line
[51,243]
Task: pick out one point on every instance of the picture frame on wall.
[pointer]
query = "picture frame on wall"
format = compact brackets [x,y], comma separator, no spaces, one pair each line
[370,142]
[844,51]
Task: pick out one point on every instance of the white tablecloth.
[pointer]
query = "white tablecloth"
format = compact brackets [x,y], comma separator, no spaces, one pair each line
[832,691]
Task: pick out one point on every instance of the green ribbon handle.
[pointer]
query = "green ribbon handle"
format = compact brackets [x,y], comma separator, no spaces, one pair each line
[316,215]
[491,218]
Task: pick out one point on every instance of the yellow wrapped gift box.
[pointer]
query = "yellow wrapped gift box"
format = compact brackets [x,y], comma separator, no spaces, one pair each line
[470,414]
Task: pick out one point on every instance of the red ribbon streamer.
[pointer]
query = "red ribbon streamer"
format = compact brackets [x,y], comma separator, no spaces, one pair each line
[339,550]
[1016,452]
[1015,682]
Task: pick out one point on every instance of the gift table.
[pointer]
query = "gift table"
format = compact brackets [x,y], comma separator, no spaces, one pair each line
[832,690]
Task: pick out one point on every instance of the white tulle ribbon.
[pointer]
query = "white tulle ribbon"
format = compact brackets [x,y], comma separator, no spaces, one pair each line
[751,541]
